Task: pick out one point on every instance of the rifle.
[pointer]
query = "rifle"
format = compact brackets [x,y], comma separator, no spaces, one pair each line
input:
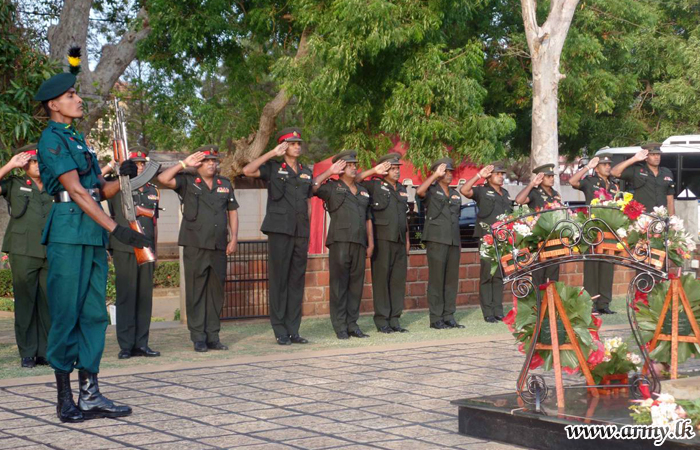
[126,185]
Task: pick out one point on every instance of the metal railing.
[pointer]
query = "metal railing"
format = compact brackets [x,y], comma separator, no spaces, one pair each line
[246,286]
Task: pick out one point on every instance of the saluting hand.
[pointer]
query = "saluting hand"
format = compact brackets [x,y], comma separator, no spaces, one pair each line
[641,155]
[538,179]
[281,149]
[593,163]
[383,168]
[440,171]
[20,160]
[486,172]
[195,159]
[338,167]
[231,247]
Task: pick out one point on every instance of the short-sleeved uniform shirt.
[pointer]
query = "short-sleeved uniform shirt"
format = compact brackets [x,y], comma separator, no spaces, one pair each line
[29,209]
[649,190]
[539,198]
[591,184]
[63,149]
[288,193]
[442,216]
[204,211]
[146,197]
[389,208]
[349,212]
[491,204]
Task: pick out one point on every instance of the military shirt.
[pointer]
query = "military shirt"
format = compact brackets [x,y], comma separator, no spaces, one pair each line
[539,198]
[287,198]
[491,204]
[146,197]
[389,208]
[593,183]
[29,208]
[442,216]
[649,190]
[349,212]
[204,211]
[62,149]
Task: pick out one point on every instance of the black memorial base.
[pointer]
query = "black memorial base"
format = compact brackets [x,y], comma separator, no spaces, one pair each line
[506,418]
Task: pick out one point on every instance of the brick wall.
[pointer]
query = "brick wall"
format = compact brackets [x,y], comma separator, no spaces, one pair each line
[317,292]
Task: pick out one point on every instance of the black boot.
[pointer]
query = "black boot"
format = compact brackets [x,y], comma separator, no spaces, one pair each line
[93,404]
[66,410]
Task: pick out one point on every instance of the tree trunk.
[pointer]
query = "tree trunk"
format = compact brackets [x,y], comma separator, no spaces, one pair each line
[246,149]
[94,85]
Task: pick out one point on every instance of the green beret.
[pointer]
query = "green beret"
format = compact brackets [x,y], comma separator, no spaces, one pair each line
[55,86]
[447,161]
[347,156]
[653,147]
[138,153]
[393,158]
[605,158]
[291,134]
[210,151]
[547,169]
[497,168]
[26,148]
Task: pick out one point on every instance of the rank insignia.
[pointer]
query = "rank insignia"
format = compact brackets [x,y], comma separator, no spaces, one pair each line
[153,197]
[456,197]
[304,176]
[403,194]
[364,194]
[222,189]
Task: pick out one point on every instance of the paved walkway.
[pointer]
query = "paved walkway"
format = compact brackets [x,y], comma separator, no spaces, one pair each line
[370,398]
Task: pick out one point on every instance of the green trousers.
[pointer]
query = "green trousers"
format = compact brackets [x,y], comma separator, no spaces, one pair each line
[347,278]
[389,265]
[598,280]
[443,280]
[490,290]
[205,275]
[134,285]
[550,273]
[32,320]
[286,266]
[77,284]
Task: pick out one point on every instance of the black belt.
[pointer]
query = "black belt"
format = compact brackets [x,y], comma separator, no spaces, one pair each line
[64,197]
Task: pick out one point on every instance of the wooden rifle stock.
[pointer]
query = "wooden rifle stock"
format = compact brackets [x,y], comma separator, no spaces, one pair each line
[143,255]
[145,212]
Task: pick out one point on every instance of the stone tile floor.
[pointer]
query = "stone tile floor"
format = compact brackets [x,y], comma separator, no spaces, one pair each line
[377,399]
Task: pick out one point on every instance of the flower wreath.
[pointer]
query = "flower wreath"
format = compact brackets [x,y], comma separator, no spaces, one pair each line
[577,303]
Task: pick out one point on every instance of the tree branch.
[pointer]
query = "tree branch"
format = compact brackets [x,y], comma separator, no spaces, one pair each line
[529,12]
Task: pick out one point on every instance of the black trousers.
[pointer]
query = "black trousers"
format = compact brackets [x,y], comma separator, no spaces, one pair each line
[550,273]
[389,265]
[32,318]
[598,280]
[134,285]
[490,290]
[347,278]
[205,275]
[286,265]
[443,280]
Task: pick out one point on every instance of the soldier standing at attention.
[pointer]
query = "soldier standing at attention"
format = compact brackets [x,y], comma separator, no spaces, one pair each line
[443,243]
[390,258]
[653,185]
[75,236]
[349,241]
[597,275]
[492,201]
[134,283]
[208,233]
[29,207]
[286,225]
[539,194]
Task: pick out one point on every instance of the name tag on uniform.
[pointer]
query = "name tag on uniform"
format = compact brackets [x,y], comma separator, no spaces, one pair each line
[193,184]
[440,193]
[641,172]
[225,190]
[282,172]
[304,176]
[491,193]
[80,147]
[364,194]
[153,197]
[385,188]
[404,194]
[25,189]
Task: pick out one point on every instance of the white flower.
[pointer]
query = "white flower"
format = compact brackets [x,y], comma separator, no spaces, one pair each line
[522,229]
[621,232]
[642,223]
[660,211]
[676,223]
[634,359]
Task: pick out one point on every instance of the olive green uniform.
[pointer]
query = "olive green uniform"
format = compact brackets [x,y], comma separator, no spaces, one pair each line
[204,236]
[539,199]
[491,204]
[441,235]
[389,260]
[77,256]
[286,225]
[134,283]
[347,244]
[650,190]
[29,208]
[598,275]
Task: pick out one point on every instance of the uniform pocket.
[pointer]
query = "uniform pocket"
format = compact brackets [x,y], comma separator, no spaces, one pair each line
[380,201]
[381,222]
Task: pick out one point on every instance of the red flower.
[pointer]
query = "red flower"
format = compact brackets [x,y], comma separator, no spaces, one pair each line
[597,321]
[644,389]
[642,297]
[594,334]
[218,182]
[602,194]
[581,210]
[497,224]
[197,180]
[543,286]
[633,209]
[509,319]
[569,370]
[488,239]
[597,356]
[510,240]
[536,361]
